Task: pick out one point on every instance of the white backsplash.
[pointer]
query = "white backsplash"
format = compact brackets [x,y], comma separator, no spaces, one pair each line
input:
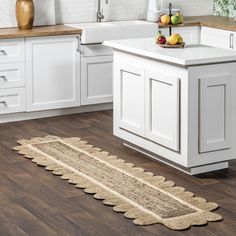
[44,13]
[71,11]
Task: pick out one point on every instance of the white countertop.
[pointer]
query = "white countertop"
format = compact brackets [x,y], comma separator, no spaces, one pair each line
[188,56]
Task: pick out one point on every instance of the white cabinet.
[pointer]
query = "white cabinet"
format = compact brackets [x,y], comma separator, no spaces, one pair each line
[96,74]
[149,105]
[12,50]
[174,114]
[162,109]
[215,113]
[12,100]
[131,102]
[53,72]
[191,35]
[12,76]
[218,38]
[96,80]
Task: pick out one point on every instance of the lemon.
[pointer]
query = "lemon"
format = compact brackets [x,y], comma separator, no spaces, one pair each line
[173,39]
[180,38]
[165,19]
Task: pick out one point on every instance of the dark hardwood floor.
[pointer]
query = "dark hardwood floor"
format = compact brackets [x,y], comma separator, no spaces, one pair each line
[35,202]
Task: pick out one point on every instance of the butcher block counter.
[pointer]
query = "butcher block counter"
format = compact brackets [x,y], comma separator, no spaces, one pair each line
[10,33]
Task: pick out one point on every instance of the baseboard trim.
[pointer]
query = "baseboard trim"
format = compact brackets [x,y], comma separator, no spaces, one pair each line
[52,113]
[190,171]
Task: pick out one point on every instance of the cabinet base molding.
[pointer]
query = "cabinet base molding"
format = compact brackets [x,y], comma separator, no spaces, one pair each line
[52,113]
[191,171]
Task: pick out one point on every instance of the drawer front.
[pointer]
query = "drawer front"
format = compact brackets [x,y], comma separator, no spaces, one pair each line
[12,75]
[12,100]
[95,50]
[12,50]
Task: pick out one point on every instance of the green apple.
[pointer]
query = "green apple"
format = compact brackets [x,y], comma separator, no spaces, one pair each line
[175,20]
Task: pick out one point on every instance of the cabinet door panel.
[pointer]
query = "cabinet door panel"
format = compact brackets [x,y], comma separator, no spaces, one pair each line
[215,113]
[96,80]
[132,99]
[52,73]
[162,110]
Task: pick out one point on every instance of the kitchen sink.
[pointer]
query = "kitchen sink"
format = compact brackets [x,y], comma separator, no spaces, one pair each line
[100,32]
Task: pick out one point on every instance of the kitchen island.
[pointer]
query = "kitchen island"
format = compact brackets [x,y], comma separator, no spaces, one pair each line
[176,105]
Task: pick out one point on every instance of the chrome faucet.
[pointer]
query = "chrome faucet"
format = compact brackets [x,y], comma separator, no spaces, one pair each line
[100,15]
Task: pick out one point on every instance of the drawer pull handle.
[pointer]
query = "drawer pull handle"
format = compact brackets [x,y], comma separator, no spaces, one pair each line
[3,52]
[3,77]
[4,103]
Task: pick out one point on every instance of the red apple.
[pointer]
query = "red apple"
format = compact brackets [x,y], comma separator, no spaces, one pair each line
[162,40]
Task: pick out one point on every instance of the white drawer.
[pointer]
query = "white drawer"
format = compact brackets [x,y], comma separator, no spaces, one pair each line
[12,75]
[95,50]
[12,100]
[12,50]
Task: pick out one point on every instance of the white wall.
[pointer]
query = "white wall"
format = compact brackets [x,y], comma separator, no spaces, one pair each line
[44,13]
[70,11]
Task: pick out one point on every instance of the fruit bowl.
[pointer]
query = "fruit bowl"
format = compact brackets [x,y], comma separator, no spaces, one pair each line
[173,41]
[170,25]
[166,45]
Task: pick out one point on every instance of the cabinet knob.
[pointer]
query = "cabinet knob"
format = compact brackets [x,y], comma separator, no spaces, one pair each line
[3,77]
[3,52]
[3,102]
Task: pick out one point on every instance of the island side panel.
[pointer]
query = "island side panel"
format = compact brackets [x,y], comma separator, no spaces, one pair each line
[212,114]
[168,142]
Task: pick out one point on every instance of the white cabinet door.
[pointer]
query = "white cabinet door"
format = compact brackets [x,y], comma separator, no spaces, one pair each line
[53,72]
[131,99]
[215,113]
[217,38]
[96,80]
[191,35]
[162,109]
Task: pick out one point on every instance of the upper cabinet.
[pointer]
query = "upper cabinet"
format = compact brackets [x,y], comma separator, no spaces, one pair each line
[52,72]
[218,38]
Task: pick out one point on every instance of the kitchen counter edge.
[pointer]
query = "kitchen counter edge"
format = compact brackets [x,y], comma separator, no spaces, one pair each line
[38,31]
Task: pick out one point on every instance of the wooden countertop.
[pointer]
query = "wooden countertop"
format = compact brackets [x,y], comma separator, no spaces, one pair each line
[38,31]
[218,22]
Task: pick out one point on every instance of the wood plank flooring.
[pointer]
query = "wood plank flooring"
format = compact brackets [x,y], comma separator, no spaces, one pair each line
[35,202]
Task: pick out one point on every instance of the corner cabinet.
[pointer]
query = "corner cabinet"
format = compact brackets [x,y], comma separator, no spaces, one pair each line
[52,72]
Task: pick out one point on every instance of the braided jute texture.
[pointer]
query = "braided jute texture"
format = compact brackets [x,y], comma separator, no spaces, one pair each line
[141,196]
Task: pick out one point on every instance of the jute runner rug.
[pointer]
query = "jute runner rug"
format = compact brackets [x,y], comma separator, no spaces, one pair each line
[141,196]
